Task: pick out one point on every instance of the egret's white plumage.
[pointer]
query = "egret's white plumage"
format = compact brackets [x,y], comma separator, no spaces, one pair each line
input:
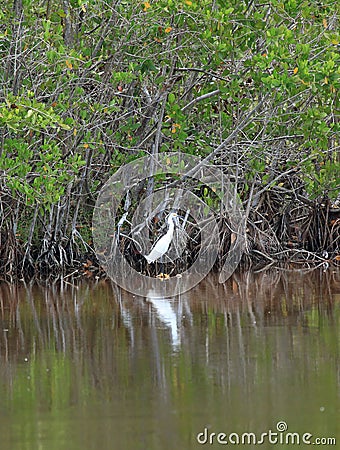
[163,244]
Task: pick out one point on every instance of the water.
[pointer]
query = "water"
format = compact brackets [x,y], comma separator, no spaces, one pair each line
[93,367]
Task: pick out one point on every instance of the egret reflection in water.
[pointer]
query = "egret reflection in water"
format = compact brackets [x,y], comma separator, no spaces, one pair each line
[166,314]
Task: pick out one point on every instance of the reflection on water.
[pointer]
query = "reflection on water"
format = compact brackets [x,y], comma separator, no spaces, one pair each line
[91,366]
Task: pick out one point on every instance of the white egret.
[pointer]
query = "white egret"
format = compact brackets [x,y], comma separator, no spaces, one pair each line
[163,244]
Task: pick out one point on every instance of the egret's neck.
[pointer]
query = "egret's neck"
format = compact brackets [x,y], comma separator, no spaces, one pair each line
[171,225]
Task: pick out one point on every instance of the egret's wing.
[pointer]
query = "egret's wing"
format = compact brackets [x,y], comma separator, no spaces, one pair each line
[159,249]
[153,255]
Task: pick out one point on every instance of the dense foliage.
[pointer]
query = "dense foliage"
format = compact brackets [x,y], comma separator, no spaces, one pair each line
[89,85]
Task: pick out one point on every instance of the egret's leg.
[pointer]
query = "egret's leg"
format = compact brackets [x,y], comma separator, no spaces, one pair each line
[159,273]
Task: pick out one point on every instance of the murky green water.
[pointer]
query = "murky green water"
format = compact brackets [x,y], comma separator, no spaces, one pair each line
[91,367]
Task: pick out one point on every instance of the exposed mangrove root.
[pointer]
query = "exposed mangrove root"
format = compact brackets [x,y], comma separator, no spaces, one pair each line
[278,232]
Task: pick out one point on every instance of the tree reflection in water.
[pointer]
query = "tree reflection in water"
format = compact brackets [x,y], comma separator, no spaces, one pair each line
[259,343]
